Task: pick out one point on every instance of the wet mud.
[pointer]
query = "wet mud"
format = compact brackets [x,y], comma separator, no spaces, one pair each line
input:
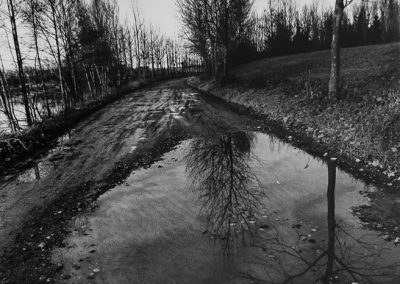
[169,186]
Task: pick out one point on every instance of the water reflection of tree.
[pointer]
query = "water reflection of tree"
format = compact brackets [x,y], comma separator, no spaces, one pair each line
[344,256]
[230,195]
[228,189]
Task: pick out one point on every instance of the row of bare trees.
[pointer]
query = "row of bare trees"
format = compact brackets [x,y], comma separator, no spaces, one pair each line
[215,29]
[284,27]
[67,52]
[227,32]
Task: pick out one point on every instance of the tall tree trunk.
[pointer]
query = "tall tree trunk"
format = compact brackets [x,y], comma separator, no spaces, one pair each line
[226,41]
[60,75]
[6,91]
[331,218]
[21,74]
[334,80]
[39,60]
[70,56]
[46,97]
[5,103]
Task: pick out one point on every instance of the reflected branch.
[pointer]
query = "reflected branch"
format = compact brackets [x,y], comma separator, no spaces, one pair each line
[226,185]
[351,256]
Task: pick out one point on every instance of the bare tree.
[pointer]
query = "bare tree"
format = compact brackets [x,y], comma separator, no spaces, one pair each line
[66,29]
[5,103]
[334,80]
[214,28]
[138,25]
[54,20]
[21,74]
[31,12]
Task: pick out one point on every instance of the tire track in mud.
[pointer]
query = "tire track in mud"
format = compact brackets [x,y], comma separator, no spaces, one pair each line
[106,148]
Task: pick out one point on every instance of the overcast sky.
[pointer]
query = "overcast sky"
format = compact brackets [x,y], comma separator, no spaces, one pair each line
[163,13]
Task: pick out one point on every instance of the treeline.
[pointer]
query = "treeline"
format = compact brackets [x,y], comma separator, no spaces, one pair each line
[78,50]
[216,30]
[284,28]
[226,32]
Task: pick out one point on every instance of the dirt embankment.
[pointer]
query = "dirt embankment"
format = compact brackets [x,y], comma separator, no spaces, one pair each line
[18,150]
[290,93]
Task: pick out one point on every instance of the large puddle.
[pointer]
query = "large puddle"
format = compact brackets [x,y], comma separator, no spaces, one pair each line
[231,207]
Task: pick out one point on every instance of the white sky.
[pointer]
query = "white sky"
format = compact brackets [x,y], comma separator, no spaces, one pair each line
[163,13]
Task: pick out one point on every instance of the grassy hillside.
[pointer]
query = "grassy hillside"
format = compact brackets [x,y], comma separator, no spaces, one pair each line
[364,67]
[364,125]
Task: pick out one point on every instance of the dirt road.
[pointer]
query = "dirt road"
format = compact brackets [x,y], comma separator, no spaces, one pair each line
[89,153]
[166,186]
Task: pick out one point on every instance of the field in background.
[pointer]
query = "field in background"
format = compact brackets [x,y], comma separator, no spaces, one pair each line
[366,67]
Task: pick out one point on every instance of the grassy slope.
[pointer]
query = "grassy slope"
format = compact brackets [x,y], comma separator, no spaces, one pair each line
[372,65]
[291,90]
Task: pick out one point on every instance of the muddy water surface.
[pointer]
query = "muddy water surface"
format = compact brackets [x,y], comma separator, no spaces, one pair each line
[237,207]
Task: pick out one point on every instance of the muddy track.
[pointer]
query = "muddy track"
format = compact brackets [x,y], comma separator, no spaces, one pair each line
[29,259]
[38,204]
[39,207]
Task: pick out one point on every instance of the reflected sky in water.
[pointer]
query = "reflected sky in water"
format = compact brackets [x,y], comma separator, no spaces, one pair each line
[243,202]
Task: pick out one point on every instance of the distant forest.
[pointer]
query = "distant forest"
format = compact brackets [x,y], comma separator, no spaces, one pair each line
[282,28]
[287,29]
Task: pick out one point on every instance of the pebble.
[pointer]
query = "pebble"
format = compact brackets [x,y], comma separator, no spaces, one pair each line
[76,266]
[60,267]
[91,275]
[66,276]
[387,238]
